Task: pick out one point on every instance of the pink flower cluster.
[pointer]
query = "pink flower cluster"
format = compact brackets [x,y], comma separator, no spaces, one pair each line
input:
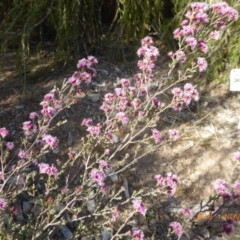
[197,19]
[98,176]
[228,227]
[177,228]
[169,183]
[157,136]
[49,170]
[3,203]
[187,212]
[51,104]
[137,234]
[85,73]
[29,128]
[149,53]
[186,96]
[4,132]
[139,206]
[221,187]
[50,141]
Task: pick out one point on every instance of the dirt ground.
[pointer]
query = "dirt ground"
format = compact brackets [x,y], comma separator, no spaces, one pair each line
[209,134]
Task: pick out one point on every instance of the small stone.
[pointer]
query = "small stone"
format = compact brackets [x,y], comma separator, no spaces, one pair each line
[66,232]
[106,235]
[94,97]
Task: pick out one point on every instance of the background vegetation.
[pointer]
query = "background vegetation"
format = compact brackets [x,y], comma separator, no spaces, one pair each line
[70,29]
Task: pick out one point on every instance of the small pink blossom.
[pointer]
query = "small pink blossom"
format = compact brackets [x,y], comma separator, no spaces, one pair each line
[177,228]
[156,102]
[86,77]
[87,122]
[202,64]
[94,130]
[173,134]
[4,132]
[74,81]
[215,35]
[33,115]
[22,154]
[122,117]
[115,213]
[29,128]
[109,97]
[107,151]
[103,164]
[98,176]
[3,203]
[147,41]
[187,212]
[228,227]
[237,155]
[157,136]
[45,168]
[51,141]
[192,42]
[138,205]
[120,92]
[137,234]
[10,145]
[92,60]
[125,82]
[202,45]
[136,102]
[180,56]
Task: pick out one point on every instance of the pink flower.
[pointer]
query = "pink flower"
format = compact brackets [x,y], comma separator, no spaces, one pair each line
[94,130]
[156,102]
[192,42]
[9,145]
[125,82]
[86,122]
[86,77]
[98,176]
[83,63]
[3,203]
[177,92]
[122,117]
[92,60]
[49,111]
[177,228]
[120,92]
[174,134]
[45,168]
[138,234]
[107,151]
[199,6]
[214,35]
[74,81]
[138,205]
[109,97]
[103,164]
[187,212]
[132,90]
[177,33]
[237,155]
[136,102]
[180,56]
[202,64]
[51,141]
[228,227]
[23,154]
[187,98]
[147,41]
[202,45]
[29,128]
[221,187]
[4,132]
[188,87]
[33,115]
[157,136]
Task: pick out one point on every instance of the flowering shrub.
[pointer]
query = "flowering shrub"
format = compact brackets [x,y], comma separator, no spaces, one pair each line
[75,197]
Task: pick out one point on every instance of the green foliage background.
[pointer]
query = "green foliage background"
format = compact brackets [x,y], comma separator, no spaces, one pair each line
[75,28]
